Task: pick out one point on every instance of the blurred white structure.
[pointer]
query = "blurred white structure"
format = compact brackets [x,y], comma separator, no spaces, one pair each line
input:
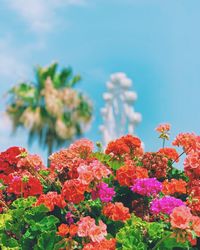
[119,116]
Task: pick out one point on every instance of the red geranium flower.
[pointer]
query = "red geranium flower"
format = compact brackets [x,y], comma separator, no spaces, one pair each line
[51,199]
[10,158]
[24,185]
[73,191]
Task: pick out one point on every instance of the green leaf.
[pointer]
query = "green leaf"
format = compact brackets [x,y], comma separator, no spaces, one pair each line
[8,242]
[60,245]
[115,164]
[171,243]
[46,241]
[35,213]
[130,238]
[155,230]
[3,219]
[46,224]
[24,203]
[44,172]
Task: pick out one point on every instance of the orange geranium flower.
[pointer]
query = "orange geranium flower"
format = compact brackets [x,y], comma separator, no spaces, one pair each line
[63,230]
[125,145]
[126,174]
[103,245]
[73,230]
[171,153]
[174,186]
[116,211]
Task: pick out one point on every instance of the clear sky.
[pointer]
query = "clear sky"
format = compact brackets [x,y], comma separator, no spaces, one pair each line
[155,42]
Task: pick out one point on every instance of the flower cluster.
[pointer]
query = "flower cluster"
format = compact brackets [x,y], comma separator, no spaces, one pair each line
[174,186]
[165,205]
[116,211]
[73,191]
[193,187]
[19,175]
[64,230]
[186,140]
[182,219]
[192,165]
[88,228]
[190,144]
[156,164]
[126,174]
[164,129]
[124,146]
[123,198]
[104,244]
[25,185]
[93,171]
[50,200]
[171,153]
[10,158]
[103,192]
[147,186]
[65,162]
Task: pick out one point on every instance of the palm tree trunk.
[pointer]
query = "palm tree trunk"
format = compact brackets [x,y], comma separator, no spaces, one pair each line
[50,150]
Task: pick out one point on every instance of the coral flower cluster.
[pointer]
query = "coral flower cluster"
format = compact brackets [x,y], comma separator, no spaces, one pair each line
[88,228]
[174,186]
[116,211]
[124,146]
[126,174]
[93,171]
[123,198]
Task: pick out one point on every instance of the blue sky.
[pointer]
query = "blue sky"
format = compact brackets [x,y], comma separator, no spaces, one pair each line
[155,42]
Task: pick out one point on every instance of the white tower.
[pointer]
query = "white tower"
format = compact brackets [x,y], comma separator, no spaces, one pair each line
[119,116]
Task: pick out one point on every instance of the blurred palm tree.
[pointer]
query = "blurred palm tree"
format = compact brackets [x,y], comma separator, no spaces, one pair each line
[51,110]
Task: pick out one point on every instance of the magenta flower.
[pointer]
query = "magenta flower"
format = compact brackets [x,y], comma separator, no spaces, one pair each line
[165,205]
[103,192]
[69,218]
[147,186]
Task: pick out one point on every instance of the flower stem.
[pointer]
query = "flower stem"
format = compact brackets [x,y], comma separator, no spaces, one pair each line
[4,204]
[163,143]
[184,152]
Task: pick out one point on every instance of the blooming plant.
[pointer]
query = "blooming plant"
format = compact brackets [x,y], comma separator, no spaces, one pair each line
[123,198]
